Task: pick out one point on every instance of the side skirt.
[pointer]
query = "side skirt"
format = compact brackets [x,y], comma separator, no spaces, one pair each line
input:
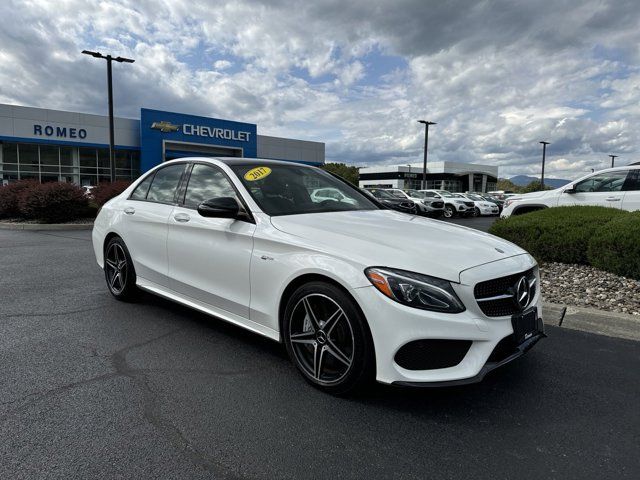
[208,309]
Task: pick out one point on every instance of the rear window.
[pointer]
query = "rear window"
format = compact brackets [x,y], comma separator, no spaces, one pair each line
[165,183]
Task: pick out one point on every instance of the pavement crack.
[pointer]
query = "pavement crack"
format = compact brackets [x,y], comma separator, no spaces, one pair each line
[42,395]
[151,410]
[53,314]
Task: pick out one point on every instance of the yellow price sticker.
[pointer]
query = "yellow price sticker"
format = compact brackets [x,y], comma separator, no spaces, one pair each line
[257,173]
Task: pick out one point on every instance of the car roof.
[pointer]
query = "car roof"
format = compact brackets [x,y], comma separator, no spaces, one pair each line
[241,161]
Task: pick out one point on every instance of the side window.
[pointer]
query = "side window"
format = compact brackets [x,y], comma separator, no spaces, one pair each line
[603,182]
[206,182]
[397,193]
[140,193]
[633,181]
[164,185]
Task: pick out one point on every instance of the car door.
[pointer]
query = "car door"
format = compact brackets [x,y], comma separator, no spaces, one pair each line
[209,258]
[631,199]
[144,223]
[602,189]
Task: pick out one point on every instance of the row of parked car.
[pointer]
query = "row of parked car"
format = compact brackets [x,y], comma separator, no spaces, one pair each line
[437,203]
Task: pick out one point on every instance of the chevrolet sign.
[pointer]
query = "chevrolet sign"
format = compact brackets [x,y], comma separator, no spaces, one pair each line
[214,132]
[165,127]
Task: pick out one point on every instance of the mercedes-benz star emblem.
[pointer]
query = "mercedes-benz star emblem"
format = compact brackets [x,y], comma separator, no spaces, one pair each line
[522,293]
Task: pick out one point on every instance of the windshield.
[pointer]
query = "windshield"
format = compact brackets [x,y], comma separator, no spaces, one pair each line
[381,194]
[415,193]
[296,189]
[477,198]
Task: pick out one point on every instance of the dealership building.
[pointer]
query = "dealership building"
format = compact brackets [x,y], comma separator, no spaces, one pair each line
[53,145]
[451,176]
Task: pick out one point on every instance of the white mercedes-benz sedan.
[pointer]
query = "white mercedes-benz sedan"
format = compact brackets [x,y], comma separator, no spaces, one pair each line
[354,291]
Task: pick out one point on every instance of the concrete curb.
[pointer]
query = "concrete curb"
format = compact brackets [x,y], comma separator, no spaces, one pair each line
[611,324]
[45,226]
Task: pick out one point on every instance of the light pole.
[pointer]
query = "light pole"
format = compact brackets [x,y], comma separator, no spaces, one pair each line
[109,59]
[426,145]
[613,157]
[544,156]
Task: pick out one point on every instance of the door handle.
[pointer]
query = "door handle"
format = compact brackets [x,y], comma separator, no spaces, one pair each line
[181,217]
[129,210]
[612,199]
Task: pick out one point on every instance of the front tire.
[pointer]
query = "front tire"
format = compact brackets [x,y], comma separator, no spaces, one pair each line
[476,212]
[119,271]
[449,211]
[327,338]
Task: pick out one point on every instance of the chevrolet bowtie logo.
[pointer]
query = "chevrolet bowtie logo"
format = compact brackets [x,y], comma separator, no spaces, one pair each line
[165,126]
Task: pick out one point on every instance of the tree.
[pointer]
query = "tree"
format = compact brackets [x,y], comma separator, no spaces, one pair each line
[534,186]
[507,185]
[348,172]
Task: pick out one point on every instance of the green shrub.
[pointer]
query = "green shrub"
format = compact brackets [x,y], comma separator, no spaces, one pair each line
[106,191]
[53,202]
[10,196]
[558,234]
[616,246]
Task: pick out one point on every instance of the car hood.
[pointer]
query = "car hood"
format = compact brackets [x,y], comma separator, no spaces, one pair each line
[396,240]
[533,195]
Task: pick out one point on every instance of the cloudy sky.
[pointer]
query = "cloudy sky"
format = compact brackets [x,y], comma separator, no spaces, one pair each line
[496,75]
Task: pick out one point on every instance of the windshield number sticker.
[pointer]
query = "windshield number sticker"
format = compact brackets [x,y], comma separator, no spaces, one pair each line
[257,173]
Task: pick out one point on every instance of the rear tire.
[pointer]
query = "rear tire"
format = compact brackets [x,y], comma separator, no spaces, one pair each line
[476,212]
[119,271]
[327,338]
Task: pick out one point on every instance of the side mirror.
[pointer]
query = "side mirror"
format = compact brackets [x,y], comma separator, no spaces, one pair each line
[570,190]
[220,207]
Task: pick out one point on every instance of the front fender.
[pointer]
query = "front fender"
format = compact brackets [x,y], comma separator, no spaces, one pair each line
[274,265]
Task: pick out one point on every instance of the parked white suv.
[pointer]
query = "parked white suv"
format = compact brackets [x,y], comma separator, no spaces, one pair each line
[482,206]
[614,187]
[427,205]
[454,204]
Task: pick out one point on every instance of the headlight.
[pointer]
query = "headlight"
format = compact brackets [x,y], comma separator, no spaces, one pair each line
[509,201]
[415,290]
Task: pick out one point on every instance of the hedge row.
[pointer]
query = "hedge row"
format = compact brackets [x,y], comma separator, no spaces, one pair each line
[52,202]
[603,237]
[106,191]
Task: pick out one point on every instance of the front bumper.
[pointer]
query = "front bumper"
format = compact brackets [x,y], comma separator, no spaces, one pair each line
[520,350]
[394,325]
[489,210]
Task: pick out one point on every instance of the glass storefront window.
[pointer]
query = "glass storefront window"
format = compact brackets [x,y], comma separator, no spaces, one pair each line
[49,155]
[88,157]
[28,154]
[66,156]
[9,153]
[103,158]
[123,159]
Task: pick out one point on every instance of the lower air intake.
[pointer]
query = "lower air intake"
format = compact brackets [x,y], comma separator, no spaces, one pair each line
[432,354]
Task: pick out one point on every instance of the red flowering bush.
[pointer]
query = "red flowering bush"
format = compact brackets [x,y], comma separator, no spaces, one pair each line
[106,191]
[10,196]
[53,202]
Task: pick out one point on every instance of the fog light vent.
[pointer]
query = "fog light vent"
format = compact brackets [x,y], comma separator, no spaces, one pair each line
[432,354]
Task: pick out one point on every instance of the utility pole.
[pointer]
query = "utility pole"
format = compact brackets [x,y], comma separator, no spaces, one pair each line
[426,146]
[544,157]
[110,59]
[613,157]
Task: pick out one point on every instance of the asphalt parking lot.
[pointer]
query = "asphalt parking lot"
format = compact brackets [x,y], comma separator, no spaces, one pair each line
[95,388]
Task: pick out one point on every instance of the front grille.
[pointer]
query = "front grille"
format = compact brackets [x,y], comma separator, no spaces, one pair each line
[470,204]
[437,204]
[431,354]
[495,297]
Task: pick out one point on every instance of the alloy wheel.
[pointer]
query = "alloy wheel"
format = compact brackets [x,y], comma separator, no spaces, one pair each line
[116,268]
[448,212]
[321,338]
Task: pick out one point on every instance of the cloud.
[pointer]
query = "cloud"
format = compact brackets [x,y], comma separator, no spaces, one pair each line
[497,76]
